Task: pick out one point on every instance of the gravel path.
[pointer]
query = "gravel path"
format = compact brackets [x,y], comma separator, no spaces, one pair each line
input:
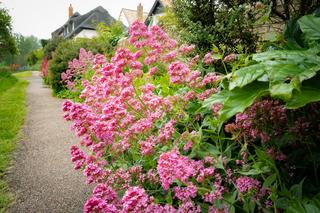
[42,177]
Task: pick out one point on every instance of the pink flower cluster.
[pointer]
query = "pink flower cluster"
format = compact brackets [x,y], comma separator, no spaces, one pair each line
[77,67]
[245,184]
[262,120]
[44,67]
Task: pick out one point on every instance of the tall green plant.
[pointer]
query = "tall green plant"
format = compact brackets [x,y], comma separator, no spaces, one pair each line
[228,23]
[289,75]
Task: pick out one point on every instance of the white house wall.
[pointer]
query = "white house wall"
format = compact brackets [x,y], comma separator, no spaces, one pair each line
[123,19]
[86,34]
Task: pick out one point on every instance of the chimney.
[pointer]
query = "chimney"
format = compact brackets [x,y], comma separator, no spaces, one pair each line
[70,10]
[140,12]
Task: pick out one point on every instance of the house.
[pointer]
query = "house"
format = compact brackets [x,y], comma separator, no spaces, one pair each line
[157,10]
[128,16]
[83,26]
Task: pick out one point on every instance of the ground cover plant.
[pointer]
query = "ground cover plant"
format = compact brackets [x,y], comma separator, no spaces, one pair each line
[12,112]
[166,133]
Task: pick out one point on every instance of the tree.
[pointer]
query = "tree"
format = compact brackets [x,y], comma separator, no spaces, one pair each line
[218,22]
[7,41]
[232,22]
[51,45]
[290,9]
[34,56]
[44,42]
[25,45]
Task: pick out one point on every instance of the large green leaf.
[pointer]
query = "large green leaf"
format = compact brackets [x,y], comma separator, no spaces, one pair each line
[236,100]
[282,90]
[241,98]
[309,92]
[279,67]
[220,97]
[246,75]
[294,56]
[293,35]
[305,96]
[310,26]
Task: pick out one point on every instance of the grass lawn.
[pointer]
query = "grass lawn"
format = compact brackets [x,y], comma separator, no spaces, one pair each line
[23,74]
[12,113]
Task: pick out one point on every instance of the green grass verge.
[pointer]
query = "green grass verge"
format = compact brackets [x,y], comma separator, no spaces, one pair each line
[24,74]
[6,81]
[12,113]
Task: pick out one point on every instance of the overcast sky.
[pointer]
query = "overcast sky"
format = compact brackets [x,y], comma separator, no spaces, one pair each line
[41,17]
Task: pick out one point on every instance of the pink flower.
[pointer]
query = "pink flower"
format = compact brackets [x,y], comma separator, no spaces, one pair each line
[189,207]
[186,49]
[230,58]
[135,200]
[157,208]
[169,56]
[147,146]
[216,108]
[185,193]
[208,58]
[210,78]
[78,157]
[95,204]
[167,131]
[172,166]
[245,184]
[93,172]
[178,72]
[153,176]
[153,70]
[187,146]
[105,192]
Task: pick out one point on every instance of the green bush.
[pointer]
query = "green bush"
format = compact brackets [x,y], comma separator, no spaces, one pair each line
[7,80]
[227,23]
[65,52]
[51,45]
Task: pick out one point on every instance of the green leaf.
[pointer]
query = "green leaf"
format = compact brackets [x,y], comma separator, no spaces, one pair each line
[310,26]
[241,98]
[251,172]
[220,97]
[203,150]
[295,207]
[282,90]
[296,190]
[269,181]
[282,203]
[310,208]
[246,75]
[309,92]
[292,56]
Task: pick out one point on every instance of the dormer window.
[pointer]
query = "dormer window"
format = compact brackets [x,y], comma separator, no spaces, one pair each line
[70,26]
[65,31]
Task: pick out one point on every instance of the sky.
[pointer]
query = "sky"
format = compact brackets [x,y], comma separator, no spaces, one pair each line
[41,17]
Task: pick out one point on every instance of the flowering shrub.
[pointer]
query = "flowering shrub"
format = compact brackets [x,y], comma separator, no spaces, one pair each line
[152,148]
[44,68]
[146,147]
[76,68]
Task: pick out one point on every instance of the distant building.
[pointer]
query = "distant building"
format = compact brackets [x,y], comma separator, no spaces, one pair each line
[83,26]
[157,10]
[128,16]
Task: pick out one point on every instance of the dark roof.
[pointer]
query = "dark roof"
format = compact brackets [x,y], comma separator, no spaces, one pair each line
[157,7]
[86,21]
